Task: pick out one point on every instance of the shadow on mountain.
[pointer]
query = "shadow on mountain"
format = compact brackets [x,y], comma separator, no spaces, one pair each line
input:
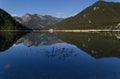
[98,45]
[7,39]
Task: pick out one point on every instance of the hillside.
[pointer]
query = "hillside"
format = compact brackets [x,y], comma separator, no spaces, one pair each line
[8,23]
[35,21]
[100,15]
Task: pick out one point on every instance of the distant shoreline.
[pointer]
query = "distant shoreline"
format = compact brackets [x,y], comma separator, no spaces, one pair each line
[14,30]
[91,30]
[51,30]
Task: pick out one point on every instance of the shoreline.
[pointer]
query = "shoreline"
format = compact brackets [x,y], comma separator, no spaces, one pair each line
[15,30]
[91,30]
[51,30]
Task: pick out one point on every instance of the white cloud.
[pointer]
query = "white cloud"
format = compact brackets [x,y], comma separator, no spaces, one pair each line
[14,15]
[60,15]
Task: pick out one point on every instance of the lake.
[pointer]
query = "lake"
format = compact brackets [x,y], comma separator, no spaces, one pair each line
[40,55]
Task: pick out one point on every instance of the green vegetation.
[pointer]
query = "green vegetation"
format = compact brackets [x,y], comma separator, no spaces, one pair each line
[8,23]
[101,15]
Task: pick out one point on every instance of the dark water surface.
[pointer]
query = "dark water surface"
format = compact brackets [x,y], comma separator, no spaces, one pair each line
[59,56]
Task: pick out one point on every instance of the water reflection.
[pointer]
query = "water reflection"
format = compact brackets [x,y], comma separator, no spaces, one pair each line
[7,39]
[98,45]
[59,56]
[60,51]
[38,39]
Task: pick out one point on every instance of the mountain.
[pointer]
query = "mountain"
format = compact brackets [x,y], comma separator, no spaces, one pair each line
[100,15]
[36,21]
[8,23]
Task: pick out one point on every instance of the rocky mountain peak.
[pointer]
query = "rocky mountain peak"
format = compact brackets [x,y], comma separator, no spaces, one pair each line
[36,21]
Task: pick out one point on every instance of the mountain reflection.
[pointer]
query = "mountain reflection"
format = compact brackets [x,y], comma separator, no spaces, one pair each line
[104,44]
[98,45]
[38,39]
[7,39]
[55,48]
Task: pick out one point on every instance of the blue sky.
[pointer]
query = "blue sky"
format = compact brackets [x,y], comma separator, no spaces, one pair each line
[59,8]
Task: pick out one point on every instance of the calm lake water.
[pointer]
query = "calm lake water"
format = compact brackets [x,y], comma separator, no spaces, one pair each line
[59,55]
